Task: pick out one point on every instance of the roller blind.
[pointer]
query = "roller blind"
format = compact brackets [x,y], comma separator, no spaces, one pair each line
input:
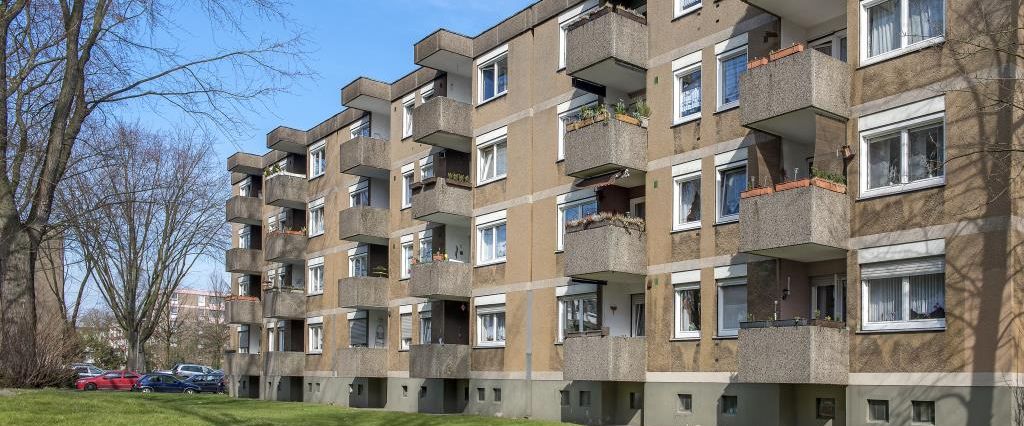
[406,326]
[903,268]
[358,332]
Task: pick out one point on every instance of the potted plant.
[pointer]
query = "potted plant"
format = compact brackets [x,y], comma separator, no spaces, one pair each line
[380,271]
[597,220]
[782,53]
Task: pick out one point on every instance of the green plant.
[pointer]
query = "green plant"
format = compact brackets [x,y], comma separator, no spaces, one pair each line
[626,221]
[274,169]
[458,177]
[641,110]
[620,107]
[587,112]
[817,313]
[600,109]
[380,271]
[828,176]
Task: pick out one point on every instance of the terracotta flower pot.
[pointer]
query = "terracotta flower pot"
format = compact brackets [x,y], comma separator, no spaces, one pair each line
[829,185]
[756,192]
[756,63]
[779,54]
[793,184]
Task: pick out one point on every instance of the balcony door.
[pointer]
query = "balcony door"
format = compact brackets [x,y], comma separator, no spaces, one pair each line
[637,315]
[827,297]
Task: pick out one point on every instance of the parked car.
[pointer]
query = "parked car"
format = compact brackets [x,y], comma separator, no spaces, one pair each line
[111,380]
[86,370]
[187,370]
[165,383]
[208,382]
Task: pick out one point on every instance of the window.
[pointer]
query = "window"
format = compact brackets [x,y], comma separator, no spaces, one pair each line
[731,65]
[427,93]
[908,294]
[317,160]
[924,412]
[491,242]
[481,394]
[637,316]
[245,188]
[407,259]
[687,311]
[357,265]
[361,129]
[425,324]
[316,337]
[358,327]
[732,180]
[316,275]
[732,306]
[492,160]
[688,91]
[426,246]
[426,168]
[494,77]
[686,6]
[584,398]
[564,21]
[243,339]
[407,108]
[730,405]
[834,45]
[878,410]
[687,201]
[244,237]
[359,194]
[406,330]
[895,27]
[490,325]
[201,300]
[579,314]
[685,403]
[825,408]
[905,157]
[571,115]
[407,189]
[497,394]
[316,218]
[573,211]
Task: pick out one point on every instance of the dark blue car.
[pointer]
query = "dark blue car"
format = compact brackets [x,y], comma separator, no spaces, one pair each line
[208,382]
[165,383]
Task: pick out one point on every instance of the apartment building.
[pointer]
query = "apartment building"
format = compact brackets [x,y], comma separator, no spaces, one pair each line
[199,304]
[666,212]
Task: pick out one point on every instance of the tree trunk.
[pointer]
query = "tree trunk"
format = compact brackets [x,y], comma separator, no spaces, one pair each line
[136,353]
[17,307]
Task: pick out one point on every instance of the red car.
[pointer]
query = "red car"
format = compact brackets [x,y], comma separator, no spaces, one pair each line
[111,380]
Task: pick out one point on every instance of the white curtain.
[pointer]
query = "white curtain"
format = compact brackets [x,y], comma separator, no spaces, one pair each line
[884,19]
[689,201]
[734,306]
[500,241]
[927,296]
[926,19]
[926,152]
[884,160]
[885,300]
[501,153]
[487,237]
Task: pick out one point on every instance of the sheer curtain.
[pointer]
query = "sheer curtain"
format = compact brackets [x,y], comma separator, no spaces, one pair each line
[927,296]
[884,20]
[926,152]
[885,300]
[884,161]
[734,306]
[689,201]
[926,19]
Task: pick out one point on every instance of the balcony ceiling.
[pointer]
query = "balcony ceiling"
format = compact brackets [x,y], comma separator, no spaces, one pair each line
[805,13]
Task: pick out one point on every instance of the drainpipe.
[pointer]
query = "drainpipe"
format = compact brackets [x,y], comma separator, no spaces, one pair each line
[778,282]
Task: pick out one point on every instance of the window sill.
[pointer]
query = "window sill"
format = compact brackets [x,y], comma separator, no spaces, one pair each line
[727,107]
[683,13]
[686,228]
[686,120]
[901,189]
[727,220]
[685,339]
[491,99]
[491,263]
[315,353]
[725,337]
[488,182]
[921,45]
[489,346]
[403,350]
[311,236]
[312,178]
[904,326]
[321,293]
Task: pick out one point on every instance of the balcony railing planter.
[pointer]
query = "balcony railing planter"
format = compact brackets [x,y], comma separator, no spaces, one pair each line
[793,322]
[822,183]
[757,192]
[598,220]
[638,116]
[776,55]
[236,298]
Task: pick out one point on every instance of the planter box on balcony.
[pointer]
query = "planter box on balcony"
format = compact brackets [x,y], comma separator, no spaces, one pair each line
[285,190]
[367,157]
[287,139]
[285,246]
[437,361]
[246,210]
[441,280]
[276,363]
[604,146]
[243,261]
[443,122]
[284,304]
[246,164]
[603,359]
[805,223]
[808,80]
[364,224]
[236,364]
[795,354]
[445,51]
[243,311]
[609,47]
[361,362]
[367,94]
[443,201]
[363,293]
[607,251]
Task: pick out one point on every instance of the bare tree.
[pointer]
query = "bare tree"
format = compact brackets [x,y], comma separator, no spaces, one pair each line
[67,63]
[148,218]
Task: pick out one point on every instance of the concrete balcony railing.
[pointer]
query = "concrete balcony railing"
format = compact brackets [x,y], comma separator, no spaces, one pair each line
[445,123]
[285,246]
[363,293]
[606,250]
[285,190]
[364,224]
[441,280]
[287,139]
[604,146]
[783,93]
[367,157]
[236,364]
[608,47]
[802,221]
[445,51]
[243,311]
[803,354]
[443,201]
[283,363]
[245,210]
[284,304]
[368,95]
[361,362]
[437,361]
[244,261]
[247,164]
[605,358]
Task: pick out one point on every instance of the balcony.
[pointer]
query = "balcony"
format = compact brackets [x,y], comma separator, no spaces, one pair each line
[368,95]
[804,13]
[363,293]
[445,51]
[437,361]
[607,143]
[287,139]
[609,48]
[285,190]
[284,304]
[243,310]
[607,250]
[285,246]
[445,123]
[805,221]
[365,156]
[246,164]
[364,224]
[443,200]
[800,354]
[277,363]
[445,280]
[244,261]
[783,96]
[245,210]
[361,362]
[605,359]
[238,364]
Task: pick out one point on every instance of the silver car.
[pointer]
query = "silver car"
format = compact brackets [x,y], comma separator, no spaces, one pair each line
[86,370]
[189,370]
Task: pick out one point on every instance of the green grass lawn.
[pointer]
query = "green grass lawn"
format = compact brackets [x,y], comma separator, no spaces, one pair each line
[49,407]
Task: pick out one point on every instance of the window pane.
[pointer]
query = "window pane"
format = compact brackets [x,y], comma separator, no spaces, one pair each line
[731,70]
[487,76]
[502,71]
[878,410]
[683,4]
[689,93]
[689,310]
[590,314]
[486,163]
[501,154]
[689,201]
[926,20]
[733,183]
[500,241]
[884,27]
[884,161]
[734,306]
[924,412]
[500,327]
[927,296]
[885,300]
[926,152]
[487,240]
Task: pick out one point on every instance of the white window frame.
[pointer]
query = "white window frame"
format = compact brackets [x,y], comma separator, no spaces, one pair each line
[425,330]
[363,186]
[485,61]
[492,145]
[313,287]
[408,104]
[731,282]
[901,252]
[724,51]
[245,188]
[684,281]
[836,41]
[564,21]
[427,93]
[356,128]
[571,292]
[316,226]
[244,237]
[905,45]
[408,177]
[360,253]
[682,173]
[483,225]
[317,152]
[404,342]
[492,312]
[578,201]
[426,241]
[680,10]
[693,65]
[406,256]
[427,163]
[315,327]
[566,109]
[901,120]
[720,191]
